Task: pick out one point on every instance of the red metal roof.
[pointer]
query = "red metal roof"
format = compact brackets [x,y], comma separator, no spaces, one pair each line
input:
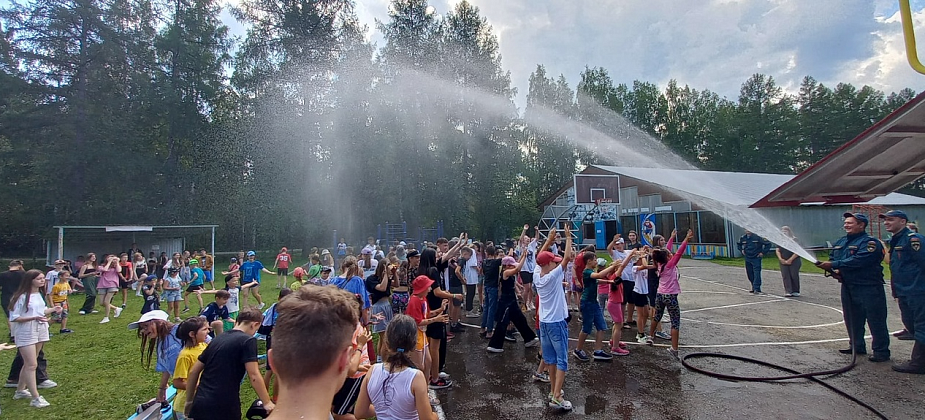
[884,158]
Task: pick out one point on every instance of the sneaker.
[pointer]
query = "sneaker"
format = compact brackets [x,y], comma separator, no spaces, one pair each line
[617,351]
[39,402]
[532,343]
[118,312]
[673,353]
[581,355]
[19,395]
[94,311]
[12,384]
[185,309]
[123,306]
[642,339]
[472,314]
[82,312]
[510,337]
[494,350]
[560,403]
[903,334]
[65,331]
[177,319]
[541,377]
[788,295]
[261,305]
[751,291]
[758,292]
[443,375]
[796,294]
[105,320]
[601,355]
[663,335]
[440,384]
[48,383]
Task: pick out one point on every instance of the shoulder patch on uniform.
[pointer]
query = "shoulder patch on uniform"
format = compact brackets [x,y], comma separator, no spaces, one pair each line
[871,246]
[915,243]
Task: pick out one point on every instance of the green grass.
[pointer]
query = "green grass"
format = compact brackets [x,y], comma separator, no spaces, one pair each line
[770,262]
[98,367]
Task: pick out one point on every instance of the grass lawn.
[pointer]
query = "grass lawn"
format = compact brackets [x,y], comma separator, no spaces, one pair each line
[98,367]
[770,262]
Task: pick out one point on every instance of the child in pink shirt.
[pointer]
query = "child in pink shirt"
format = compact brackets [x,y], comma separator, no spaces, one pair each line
[669,288]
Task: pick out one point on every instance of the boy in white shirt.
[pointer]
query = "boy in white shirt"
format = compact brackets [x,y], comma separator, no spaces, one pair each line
[548,277]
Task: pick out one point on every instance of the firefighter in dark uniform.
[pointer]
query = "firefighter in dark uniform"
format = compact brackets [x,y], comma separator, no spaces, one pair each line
[907,268]
[856,259]
[754,248]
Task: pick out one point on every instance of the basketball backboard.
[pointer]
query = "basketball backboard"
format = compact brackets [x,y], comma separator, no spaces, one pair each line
[589,188]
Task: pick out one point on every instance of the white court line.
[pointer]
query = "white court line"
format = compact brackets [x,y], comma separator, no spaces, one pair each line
[437,407]
[734,305]
[710,292]
[782,327]
[766,294]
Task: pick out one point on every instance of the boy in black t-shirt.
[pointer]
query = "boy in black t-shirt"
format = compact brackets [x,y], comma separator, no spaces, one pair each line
[149,292]
[213,387]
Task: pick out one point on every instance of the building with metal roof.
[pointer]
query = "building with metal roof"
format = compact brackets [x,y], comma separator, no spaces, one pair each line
[714,204]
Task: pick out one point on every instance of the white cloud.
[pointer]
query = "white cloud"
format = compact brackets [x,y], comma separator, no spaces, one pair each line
[709,44]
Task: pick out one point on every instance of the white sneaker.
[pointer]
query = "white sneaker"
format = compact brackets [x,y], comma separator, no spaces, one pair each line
[48,383]
[105,320]
[532,343]
[443,375]
[494,350]
[19,395]
[118,312]
[261,305]
[39,402]
[82,312]
[472,314]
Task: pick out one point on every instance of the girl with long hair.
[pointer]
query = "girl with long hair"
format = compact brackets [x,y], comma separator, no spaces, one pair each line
[108,285]
[668,290]
[29,322]
[158,336]
[88,276]
[193,333]
[395,389]
[436,332]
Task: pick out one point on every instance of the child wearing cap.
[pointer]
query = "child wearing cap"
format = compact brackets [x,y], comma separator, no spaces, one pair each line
[420,311]
[59,293]
[172,286]
[197,278]
[152,300]
[300,278]
[250,273]
[548,277]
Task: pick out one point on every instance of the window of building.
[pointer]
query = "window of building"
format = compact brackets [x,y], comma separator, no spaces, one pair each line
[687,221]
[712,228]
[629,223]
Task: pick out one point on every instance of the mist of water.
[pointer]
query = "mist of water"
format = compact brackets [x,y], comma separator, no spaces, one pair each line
[623,144]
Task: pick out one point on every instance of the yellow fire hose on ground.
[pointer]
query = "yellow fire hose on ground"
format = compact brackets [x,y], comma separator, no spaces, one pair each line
[905,13]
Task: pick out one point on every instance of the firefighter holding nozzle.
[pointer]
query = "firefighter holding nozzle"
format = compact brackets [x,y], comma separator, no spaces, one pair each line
[856,260]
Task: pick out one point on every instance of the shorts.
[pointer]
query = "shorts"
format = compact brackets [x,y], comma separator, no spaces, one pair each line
[125,284]
[192,289]
[602,299]
[653,291]
[400,302]
[107,290]
[282,271]
[228,324]
[526,277]
[208,274]
[380,314]
[436,331]
[249,282]
[346,397]
[592,317]
[58,317]
[616,314]
[669,302]
[30,332]
[554,344]
[172,295]
[628,291]
[422,340]
[457,290]
[640,300]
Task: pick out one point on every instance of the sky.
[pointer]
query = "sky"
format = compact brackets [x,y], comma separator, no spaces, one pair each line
[707,44]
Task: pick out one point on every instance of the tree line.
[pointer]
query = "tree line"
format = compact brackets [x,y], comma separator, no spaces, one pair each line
[150,112]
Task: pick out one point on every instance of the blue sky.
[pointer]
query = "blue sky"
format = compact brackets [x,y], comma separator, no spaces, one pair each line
[708,44]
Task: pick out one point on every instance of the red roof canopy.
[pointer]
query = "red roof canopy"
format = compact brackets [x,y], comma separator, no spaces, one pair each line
[885,157]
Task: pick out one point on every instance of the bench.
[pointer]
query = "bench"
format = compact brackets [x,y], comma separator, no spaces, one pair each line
[155,412]
[703,255]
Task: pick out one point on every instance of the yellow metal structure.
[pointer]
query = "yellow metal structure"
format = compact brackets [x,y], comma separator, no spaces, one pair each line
[905,12]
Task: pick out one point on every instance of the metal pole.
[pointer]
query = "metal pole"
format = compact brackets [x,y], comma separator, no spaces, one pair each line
[213,253]
[61,243]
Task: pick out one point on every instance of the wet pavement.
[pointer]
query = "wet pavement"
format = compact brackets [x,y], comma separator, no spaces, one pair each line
[718,315]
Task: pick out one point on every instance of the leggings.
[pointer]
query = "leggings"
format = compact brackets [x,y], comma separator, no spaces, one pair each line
[508,312]
[674,311]
[470,295]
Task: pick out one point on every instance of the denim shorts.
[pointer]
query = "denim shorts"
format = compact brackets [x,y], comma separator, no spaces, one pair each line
[554,342]
[592,317]
[172,296]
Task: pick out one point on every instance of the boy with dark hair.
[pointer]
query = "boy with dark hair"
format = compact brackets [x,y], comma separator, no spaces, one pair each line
[312,370]
[216,313]
[150,295]
[58,294]
[213,388]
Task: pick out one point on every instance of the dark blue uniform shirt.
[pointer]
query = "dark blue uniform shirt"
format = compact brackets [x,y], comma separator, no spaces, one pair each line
[857,258]
[752,245]
[907,263]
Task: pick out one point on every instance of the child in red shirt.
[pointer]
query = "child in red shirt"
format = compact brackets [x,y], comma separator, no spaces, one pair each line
[281,265]
[420,311]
